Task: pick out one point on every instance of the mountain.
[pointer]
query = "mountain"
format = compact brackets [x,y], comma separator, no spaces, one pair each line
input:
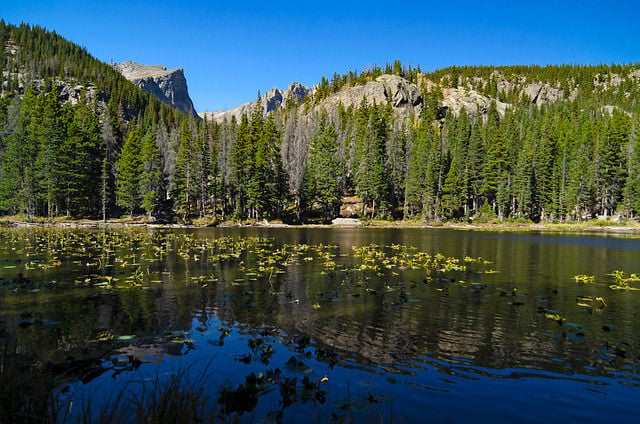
[64,118]
[405,97]
[273,100]
[474,93]
[168,85]
[537,143]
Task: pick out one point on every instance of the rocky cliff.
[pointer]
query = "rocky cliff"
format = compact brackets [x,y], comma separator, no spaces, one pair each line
[169,85]
[405,97]
[474,95]
[271,101]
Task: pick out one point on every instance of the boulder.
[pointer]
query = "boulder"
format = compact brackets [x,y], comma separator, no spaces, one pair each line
[471,101]
[346,222]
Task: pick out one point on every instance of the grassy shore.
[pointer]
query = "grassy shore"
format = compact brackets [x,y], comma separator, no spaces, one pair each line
[594,225]
[586,226]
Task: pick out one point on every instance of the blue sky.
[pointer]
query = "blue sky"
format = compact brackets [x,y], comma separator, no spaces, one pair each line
[230,50]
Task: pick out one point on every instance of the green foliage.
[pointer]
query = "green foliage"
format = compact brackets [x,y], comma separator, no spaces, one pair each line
[152,184]
[268,178]
[58,157]
[611,160]
[632,183]
[129,167]
[354,78]
[574,158]
[184,188]
[324,172]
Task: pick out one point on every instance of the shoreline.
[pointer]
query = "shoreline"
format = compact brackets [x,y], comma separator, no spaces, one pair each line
[593,226]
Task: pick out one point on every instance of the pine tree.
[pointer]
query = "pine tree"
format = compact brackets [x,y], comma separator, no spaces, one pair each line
[89,159]
[185,188]
[324,172]
[632,183]
[107,174]
[204,175]
[241,159]
[25,148]
[396,165]
[129,168]
[152,182]
[581,171]
[452,190]
[544,167]
[370,178]
[475,166]
[612,167]
[495,170]
[421,181]
[268,165]
[11,156]
[255,177]
[50,140]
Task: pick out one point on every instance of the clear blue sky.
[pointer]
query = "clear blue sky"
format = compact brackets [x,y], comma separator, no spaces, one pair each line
[230,50]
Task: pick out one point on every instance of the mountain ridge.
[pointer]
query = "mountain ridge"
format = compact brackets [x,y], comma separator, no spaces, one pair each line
[407,97]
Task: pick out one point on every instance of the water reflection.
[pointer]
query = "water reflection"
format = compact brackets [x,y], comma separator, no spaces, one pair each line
[403,325]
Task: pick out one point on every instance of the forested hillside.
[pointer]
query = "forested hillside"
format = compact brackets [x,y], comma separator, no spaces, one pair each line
[64,117]
[526,142]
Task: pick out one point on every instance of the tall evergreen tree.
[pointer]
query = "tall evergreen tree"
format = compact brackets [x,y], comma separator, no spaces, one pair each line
[152,180]
[475,165]
[241,159]
[324,173]
[612,166]
[129,168]
[420,184]
[632,183]
[371,184]
[185,187]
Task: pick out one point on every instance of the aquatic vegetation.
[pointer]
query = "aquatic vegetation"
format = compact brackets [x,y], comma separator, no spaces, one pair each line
[137,258]
[621,280]
[178,400]
[329,310]
[396,257]
[556,317]
[244,397]
[591,302]
[584,279]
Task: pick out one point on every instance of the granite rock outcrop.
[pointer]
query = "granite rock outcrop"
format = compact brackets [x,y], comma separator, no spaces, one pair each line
[168,85]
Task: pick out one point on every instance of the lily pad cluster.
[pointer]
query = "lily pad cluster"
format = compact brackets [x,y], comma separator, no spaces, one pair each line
[128,258]
[620,280]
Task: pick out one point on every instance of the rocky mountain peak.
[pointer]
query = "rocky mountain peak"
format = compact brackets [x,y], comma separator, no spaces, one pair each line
[405,97]
[169,85]
[274,99]
[297,92]
[474,95]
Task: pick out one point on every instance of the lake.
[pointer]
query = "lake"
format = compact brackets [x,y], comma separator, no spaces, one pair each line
[328,325]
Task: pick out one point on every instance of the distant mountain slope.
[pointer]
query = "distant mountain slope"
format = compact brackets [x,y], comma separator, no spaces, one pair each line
[471,88]
[168,85]
[33,55]
[273,100]
[64,118]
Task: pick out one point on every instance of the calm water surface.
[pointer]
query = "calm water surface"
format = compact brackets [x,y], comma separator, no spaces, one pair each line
[514,339]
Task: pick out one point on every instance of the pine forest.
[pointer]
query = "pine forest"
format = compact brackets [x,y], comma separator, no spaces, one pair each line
[78,140]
